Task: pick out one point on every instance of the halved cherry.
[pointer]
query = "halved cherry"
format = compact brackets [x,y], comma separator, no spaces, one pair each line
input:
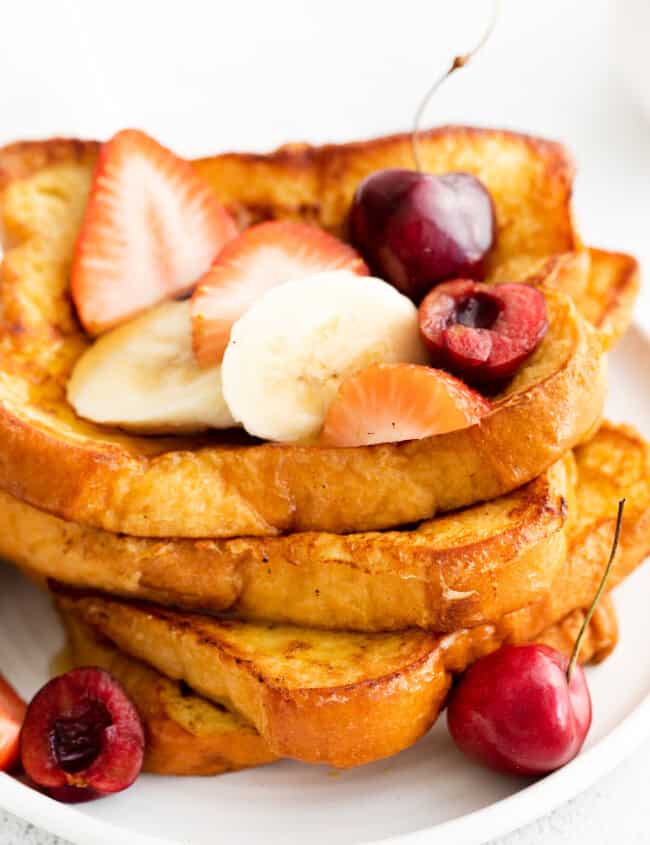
[12,713]
[82,730]
[73,794]
[152,227]
[482,333]
[261,258]
[388,403]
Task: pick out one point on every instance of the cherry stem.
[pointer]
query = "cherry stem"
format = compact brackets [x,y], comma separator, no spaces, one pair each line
[599,592]
[458,62]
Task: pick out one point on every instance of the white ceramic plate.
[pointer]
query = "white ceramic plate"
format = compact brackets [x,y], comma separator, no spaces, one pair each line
[429,790]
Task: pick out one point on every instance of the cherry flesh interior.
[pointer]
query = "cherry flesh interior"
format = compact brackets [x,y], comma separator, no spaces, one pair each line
[482,333]
[82,731]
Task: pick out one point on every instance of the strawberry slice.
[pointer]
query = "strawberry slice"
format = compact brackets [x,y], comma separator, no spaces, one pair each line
[152,227]
[387,403]
[259,259]
[12,715]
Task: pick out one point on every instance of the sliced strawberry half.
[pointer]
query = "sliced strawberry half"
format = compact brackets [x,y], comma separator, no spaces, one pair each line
[388,403]
[152,227]
[12,715]
[259,259]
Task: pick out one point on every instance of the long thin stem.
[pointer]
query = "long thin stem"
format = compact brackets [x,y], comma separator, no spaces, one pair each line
[599,592]
[458,62]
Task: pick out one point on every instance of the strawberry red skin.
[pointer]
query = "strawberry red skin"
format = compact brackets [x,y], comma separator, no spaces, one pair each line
[12,714]
[151,228]
[391,403]
[262,257]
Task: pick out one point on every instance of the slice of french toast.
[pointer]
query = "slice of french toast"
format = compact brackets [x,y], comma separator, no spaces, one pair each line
[188,735]
[340,699]
[453,571]
[345,698]
[223,486]
[185,734]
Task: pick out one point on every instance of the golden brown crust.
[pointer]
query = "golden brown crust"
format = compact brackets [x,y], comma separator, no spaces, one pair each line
[188,735]
[308,691]
[185,734]
[613,286]
[369,698]
[212,487]
[603,285]
[268,489]
[454,571]
[600,638]
[25,158]
[530,178]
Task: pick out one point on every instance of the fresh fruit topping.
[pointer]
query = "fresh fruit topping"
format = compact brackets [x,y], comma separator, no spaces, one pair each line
[150,230]
[514,711]
[81,730]
[482,333]
[526,709]
[259,259]
[416,230]
[388,403]
[143,377]
[73,794]
[12,713]
[294,347]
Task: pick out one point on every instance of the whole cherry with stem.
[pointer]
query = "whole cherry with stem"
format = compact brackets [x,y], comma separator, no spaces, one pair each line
[416,229]
[526,709]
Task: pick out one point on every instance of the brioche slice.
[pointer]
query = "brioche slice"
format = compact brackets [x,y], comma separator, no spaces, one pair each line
[189,735]
[453,571]
[600,639]
[224,486]
[185,734]
[321,697]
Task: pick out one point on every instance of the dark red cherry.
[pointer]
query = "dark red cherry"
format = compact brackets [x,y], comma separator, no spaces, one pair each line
[82,731]
[482,333]
[514,711]
[416,230]
[73,794]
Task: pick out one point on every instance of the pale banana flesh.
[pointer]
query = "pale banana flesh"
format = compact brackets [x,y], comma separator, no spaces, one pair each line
[143,377]
[290,352]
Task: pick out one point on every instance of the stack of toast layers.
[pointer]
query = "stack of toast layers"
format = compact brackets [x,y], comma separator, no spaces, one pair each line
[260,601]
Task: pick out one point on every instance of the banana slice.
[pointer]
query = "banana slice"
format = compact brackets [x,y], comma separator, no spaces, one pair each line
[291,350]
[143,377]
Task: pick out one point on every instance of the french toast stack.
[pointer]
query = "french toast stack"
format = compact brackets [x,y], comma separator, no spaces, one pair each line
[262,600]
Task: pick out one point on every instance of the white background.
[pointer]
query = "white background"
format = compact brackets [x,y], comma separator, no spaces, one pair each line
[205,76]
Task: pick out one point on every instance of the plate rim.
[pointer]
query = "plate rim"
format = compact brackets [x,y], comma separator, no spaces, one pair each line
[497,819]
